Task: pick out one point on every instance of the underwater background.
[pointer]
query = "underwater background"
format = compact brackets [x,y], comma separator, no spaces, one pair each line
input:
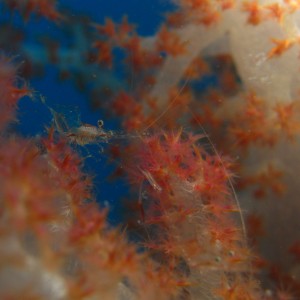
[149,149]
[69,96]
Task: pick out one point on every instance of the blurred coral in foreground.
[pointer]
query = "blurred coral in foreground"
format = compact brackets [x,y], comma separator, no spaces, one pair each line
[55,243]
[58,245]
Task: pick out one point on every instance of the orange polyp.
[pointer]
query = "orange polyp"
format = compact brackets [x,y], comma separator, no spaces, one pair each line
[254,10]
[285,112]
[196,69]
[195,4]
[124,29]
[272,178]
[210,18]
[293,5]
[44,8]
[227,4]
[208,116]
[89,222]
[125,104]
[176,19]
[281,46]
[276,11]
[139,58]
[238,290]
[227,235]
[287,119]
[19,92]
[104,55]
[218,210]
[170,43]
[108,29]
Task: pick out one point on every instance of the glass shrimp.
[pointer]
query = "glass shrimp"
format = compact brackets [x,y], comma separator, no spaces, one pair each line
[89,134]
[83,134]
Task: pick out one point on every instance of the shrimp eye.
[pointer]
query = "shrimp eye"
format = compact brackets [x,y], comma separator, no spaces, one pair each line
[100,123]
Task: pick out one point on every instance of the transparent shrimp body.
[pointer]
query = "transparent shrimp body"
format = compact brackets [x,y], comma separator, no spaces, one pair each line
[80,133]
[89,134]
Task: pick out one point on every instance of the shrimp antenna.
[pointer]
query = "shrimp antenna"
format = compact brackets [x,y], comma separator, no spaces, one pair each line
[243,224]
[168,106]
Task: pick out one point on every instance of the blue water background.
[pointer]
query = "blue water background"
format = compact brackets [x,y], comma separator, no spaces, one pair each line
[34,116]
